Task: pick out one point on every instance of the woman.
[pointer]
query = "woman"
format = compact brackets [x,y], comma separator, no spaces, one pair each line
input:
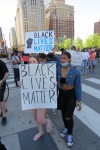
[69,97]
[39,114]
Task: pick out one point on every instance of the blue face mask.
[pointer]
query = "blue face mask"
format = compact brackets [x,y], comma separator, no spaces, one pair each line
[64,64]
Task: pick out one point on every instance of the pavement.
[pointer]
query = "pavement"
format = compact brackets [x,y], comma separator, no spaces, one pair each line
[21,127]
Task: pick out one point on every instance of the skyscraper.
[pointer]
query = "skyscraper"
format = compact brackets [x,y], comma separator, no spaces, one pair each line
[0,38]
[0,35]
[12,38]
[60,18]
[97,27]
[29,17]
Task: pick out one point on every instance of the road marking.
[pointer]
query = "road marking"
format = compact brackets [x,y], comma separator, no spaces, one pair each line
[90,118]
[94,80]
[91,91]
[11,85]
[11,76]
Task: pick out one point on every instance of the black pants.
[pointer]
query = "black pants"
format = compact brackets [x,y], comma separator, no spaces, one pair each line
[16,75]
[67,99]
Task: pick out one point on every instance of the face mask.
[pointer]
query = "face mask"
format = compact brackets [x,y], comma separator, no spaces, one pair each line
[64,64]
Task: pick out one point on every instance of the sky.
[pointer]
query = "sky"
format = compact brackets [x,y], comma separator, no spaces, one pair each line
[86,13]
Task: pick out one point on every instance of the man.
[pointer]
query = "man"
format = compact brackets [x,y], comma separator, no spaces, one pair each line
[3,77]
[16,62]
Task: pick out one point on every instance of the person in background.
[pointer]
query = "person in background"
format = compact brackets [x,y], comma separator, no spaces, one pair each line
[16,62]
[69,83]
[73,48]
[62,50]
[84,61]
[92,60]
[25,58]
[42,58]
[39,114]
[3,76]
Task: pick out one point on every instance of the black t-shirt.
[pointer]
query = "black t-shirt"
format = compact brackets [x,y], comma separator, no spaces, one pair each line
[3,69]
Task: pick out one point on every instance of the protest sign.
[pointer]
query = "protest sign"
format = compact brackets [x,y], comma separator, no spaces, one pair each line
[38,86]
[76,57]
[39,41]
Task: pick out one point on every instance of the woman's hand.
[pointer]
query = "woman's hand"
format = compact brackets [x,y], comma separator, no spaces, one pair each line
[78,105]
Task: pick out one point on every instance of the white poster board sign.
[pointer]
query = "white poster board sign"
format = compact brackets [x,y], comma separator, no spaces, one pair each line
[39,41]
[38,86]
[76,57]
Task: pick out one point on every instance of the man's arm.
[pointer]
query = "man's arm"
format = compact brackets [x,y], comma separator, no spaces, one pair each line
[4,79]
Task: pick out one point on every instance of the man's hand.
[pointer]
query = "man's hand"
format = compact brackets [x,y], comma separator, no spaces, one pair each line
[5,76]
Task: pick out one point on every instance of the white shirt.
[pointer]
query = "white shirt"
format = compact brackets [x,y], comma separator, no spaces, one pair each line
[85,55]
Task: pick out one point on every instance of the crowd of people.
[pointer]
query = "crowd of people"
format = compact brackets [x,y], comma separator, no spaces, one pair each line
[89,61]
[68,86]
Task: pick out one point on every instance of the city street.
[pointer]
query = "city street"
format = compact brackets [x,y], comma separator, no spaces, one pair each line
[20,129]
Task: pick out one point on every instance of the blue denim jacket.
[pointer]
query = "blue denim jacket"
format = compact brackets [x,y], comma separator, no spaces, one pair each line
[73,78]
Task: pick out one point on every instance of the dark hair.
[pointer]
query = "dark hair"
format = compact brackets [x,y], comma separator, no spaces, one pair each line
[50,57]
[42,55]
[67,54]
[15,51]
[73,48]
[62,50]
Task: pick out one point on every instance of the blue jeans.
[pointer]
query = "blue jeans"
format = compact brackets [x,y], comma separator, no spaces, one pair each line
[84,66]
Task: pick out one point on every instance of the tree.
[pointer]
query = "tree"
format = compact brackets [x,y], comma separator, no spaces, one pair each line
[67,43]
[92,41]
[98,43]
[78,43]
[61,45]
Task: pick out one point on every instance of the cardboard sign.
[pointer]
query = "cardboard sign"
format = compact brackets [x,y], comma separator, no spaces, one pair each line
[76,57]
[38,86]
[39,41]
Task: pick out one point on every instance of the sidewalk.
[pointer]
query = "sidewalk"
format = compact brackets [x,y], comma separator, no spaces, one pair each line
[20,129]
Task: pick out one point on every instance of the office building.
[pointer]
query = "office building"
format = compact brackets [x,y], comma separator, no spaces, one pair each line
[12,38]
[29,18]
[97,27]
[60,18]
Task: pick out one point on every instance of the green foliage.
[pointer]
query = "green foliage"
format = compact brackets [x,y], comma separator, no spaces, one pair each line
[78,43]
[92,41]
[98,43]
[61,45]
[67,43]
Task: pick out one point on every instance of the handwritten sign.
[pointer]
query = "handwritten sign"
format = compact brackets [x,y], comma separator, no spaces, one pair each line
[38,86]
[76,57]
[39,41]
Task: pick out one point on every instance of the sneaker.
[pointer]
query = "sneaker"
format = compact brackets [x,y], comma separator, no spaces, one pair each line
[4,121]
[69,140]
[64,132]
